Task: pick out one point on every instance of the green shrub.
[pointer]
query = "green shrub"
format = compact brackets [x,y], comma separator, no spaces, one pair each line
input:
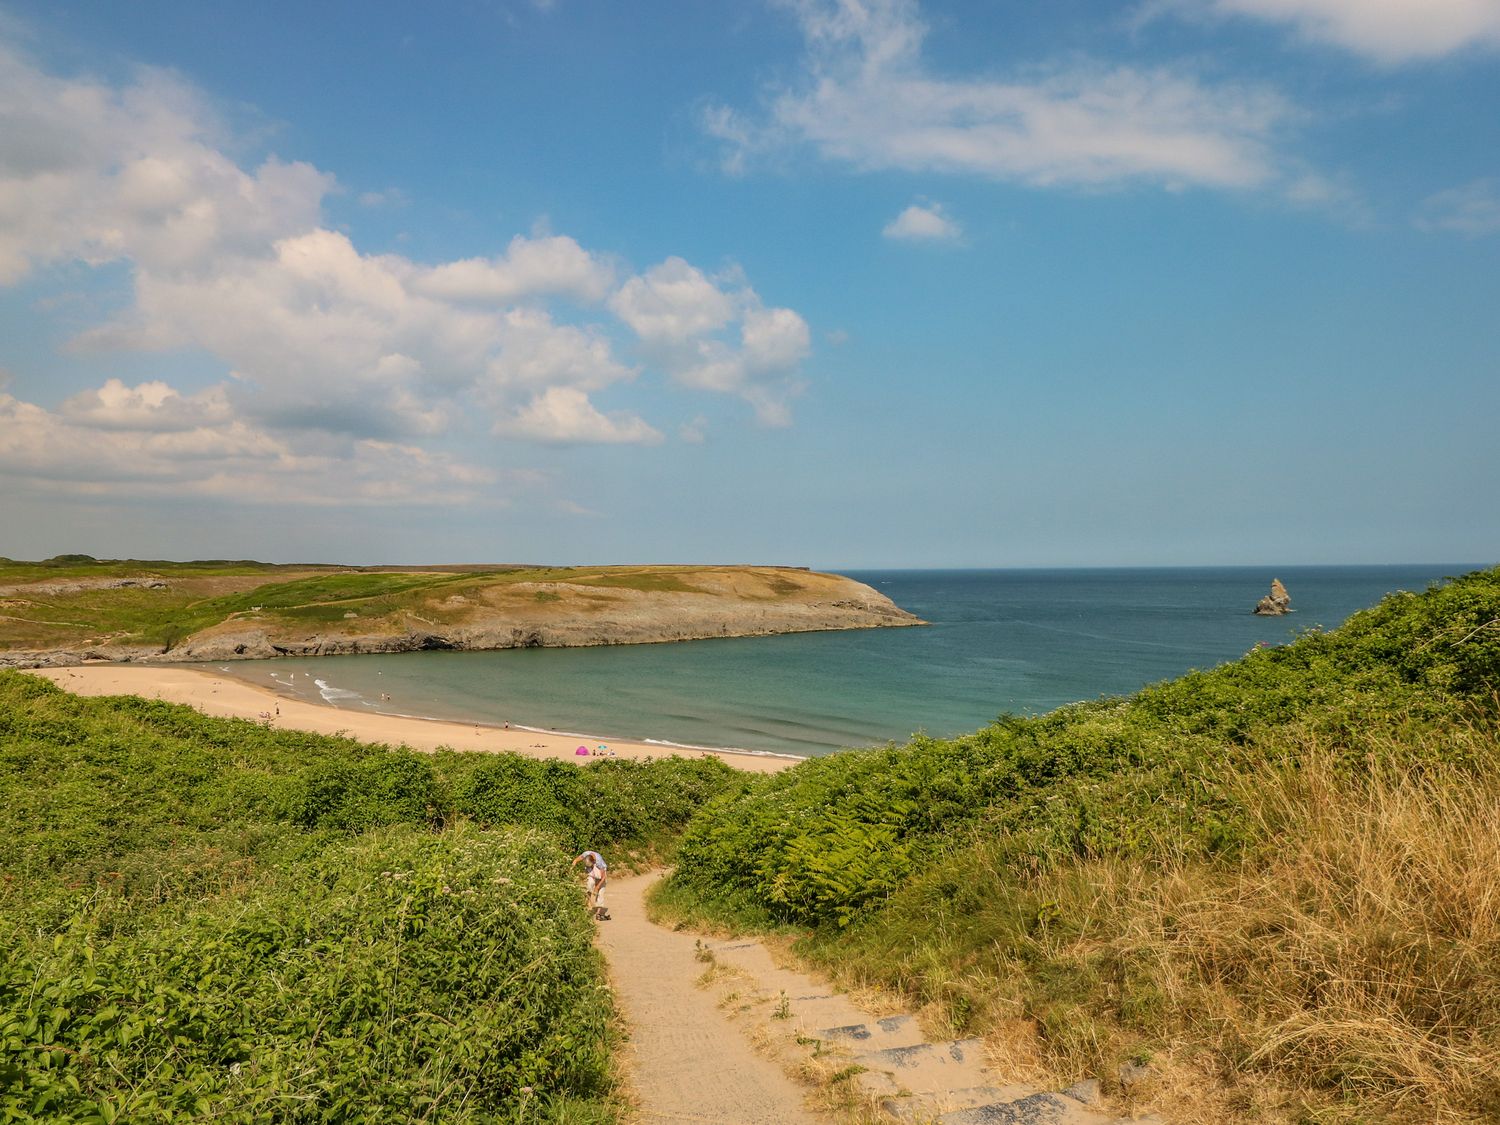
[395,976]
[507,789]
[356,793]
[85,781]
[628,800]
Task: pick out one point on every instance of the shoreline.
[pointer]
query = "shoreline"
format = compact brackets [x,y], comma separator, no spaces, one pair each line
[226,696]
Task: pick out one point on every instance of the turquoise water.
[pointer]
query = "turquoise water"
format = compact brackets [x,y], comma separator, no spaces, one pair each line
[1021,641]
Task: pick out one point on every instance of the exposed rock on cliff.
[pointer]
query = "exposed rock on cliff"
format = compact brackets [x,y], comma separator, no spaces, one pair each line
[1277,602]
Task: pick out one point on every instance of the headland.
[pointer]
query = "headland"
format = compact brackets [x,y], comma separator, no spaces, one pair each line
[76,609]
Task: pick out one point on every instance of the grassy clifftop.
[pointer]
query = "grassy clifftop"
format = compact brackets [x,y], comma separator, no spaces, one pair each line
[74,605]
[1271,879]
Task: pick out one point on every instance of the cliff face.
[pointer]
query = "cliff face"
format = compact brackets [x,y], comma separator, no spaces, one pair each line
[602,606]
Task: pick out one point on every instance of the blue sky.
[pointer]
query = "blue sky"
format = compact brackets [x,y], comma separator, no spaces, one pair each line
[839,283]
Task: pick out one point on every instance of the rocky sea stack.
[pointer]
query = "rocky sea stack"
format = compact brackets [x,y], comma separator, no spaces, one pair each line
[1276,603]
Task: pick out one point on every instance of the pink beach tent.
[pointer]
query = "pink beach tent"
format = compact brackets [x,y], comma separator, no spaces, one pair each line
[581,750]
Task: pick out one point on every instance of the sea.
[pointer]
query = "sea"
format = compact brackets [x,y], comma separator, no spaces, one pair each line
[999,642]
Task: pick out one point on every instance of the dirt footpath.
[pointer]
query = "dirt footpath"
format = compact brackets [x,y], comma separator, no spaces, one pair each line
[687,1061]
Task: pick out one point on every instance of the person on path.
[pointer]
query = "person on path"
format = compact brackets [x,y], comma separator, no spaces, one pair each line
[598,874]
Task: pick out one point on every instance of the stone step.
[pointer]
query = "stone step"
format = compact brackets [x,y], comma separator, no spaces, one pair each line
[939,1069]
[936,1082]
[913,1081]
[1033,1109]
[870,1034]
[770,980]
[925,1056]
[927,1106]
[810,1015]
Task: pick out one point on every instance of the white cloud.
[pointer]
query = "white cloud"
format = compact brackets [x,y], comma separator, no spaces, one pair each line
[152,406]
[530,267]
[687,323]
[350,362]
[98,174]
[101,445]
[715,365]
[1388,31]
[672,302]
[694,431]
[869,101]
[1473,209]
[711,365]
[535,352]
[923,223]
[773,339]
[318,334]
[1330,194]
[391,197]
[564,415]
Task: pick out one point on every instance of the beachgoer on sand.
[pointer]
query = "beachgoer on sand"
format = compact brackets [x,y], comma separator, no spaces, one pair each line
[598,874]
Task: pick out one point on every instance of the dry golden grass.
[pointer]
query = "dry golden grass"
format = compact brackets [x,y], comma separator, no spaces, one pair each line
[1371,935]
[1347,970]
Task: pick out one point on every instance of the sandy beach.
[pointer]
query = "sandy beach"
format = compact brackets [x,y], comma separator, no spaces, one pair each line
[230,698]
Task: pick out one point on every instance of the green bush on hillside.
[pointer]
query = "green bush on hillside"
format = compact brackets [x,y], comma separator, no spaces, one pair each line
[826,838]
[394,976]
[84,781]
[512,790]
[353,794]
[591,805]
